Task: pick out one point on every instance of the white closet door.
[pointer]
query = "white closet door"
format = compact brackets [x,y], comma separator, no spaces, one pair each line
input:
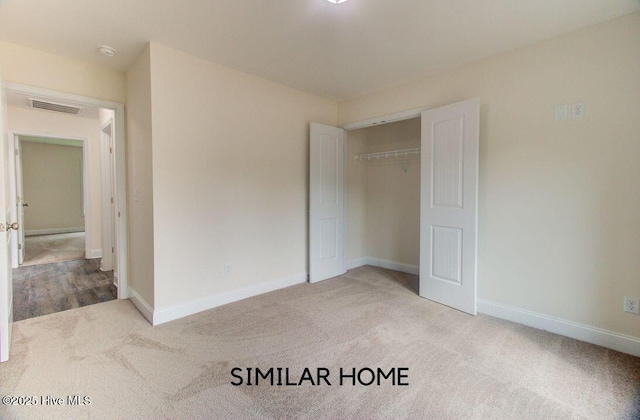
[449,205]
[326,202]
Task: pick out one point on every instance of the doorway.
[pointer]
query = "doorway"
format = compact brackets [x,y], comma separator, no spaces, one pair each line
[84,278]
[53,194]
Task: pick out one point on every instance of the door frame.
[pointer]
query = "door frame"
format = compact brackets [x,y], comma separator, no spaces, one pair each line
[106,185]
[385,119]
[14,138]
[120,184]
[369,122]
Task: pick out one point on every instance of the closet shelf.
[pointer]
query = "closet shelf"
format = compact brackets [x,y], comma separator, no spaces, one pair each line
[389,154]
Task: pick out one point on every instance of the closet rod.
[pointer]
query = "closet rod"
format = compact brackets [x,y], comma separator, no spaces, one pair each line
[389,154]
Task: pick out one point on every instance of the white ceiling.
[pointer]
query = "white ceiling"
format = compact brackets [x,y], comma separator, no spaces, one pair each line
[336,51]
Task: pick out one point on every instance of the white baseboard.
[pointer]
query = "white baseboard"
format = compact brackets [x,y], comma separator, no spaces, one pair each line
[52,231]
[96,253]
[359,262]
[142,305]
[377,262]
[605,338]
[169,314]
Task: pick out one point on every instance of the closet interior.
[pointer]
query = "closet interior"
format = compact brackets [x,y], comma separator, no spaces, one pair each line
[383,205]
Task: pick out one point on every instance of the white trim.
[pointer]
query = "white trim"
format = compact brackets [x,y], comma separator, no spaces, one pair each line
[120,175]
[390,265]
[106,193]
[96,253]
[142,306]
[53,231]
[176,312]
[86,184]
[385,119]
[359,262]
[601,337]
[393,265]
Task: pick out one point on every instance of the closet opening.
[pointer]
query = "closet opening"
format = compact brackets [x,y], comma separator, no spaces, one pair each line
[372,201]
[383,197]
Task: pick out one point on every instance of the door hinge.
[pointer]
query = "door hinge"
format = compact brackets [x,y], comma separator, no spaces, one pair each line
[110,149]
[17,152]
[112,250]
[19,246]
[111,200]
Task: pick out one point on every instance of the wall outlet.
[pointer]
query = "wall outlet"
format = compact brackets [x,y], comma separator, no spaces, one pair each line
[577,110]
[632,305]
[227,269]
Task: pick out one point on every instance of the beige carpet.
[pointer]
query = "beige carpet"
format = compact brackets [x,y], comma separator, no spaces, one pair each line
[460,367]
[45,249]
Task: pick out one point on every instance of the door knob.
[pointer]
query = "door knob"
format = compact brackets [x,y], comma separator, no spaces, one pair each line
[25,204]
[13,226]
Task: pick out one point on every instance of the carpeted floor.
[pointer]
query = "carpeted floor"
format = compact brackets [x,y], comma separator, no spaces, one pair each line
[45,249]
[48,288]
[460,367]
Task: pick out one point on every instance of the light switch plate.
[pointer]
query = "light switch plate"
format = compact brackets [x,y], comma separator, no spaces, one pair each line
[561,112]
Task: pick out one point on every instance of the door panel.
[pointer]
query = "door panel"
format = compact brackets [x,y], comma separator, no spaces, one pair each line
[6,285]
[326,202]
[449,196]
[20,200]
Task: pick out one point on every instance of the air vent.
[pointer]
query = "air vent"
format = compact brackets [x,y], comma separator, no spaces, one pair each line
[52,106]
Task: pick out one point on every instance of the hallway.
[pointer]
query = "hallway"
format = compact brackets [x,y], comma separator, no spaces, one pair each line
[48,288]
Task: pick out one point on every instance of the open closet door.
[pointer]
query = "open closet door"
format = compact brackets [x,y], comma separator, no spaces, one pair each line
[449,204]
[326,202]
[6,235]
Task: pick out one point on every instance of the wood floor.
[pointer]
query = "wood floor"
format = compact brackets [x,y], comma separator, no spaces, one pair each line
[48,288]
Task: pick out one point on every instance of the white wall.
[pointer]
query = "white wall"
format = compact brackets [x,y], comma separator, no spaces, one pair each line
[52,185]
[559,203]
[230,176]
[40,122]
[36,68]
[384,199]
[139,177]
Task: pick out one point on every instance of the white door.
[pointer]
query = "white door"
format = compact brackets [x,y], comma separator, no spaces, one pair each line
[449,204]
[20,201]
[326,202]
[6,233]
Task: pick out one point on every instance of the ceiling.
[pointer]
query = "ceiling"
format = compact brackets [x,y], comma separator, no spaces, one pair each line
[335,51]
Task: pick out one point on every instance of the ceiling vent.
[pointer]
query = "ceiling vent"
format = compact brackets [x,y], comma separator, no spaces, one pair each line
[52,106]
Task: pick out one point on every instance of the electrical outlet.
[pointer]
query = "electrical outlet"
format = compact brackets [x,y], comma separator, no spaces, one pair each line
[631,305]
[577,110]
[227,269]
